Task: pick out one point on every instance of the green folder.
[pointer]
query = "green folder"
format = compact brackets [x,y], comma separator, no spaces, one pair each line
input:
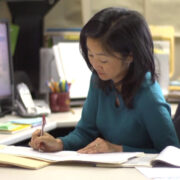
[14,31]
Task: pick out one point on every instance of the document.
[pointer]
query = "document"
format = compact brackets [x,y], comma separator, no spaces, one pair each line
[169,157]
[160,173]
[108,159]
[70,66]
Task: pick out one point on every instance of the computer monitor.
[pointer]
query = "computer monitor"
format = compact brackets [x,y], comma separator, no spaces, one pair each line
[6,71]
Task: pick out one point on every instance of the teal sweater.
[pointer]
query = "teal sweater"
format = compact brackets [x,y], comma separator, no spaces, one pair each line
[147,128]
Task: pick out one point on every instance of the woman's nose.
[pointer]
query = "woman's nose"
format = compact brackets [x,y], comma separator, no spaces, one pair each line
[96,64]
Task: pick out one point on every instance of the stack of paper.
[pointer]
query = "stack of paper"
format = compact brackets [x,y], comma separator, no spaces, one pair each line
[10,128]
[31,121]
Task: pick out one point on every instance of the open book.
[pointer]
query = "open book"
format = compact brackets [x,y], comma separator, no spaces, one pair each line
[169,157]
[28,158]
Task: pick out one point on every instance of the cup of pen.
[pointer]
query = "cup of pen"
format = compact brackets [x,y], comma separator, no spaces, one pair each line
[59,98]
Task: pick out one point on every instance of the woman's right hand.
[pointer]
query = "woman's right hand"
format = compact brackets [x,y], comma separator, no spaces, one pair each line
[46,143]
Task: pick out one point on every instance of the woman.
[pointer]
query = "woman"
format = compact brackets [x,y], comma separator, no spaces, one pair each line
[125,109]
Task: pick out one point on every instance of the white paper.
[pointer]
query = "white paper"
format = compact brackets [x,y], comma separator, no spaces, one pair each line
[142,161]
[160,173]
[68,155]
[72,67]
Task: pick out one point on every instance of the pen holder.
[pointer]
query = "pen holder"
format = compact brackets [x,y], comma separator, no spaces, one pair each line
[59,102]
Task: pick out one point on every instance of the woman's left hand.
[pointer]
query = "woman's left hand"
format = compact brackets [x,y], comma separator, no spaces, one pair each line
[100,145]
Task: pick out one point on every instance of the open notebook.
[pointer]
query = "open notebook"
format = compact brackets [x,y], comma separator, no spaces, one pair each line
[28,158]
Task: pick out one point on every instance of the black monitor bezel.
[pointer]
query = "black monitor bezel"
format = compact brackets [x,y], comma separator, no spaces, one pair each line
[6,103]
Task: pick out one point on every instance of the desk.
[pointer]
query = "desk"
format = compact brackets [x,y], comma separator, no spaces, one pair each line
[69,172]
[54,120]
[66,172]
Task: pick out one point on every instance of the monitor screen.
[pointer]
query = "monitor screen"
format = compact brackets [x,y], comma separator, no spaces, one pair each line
[6,88]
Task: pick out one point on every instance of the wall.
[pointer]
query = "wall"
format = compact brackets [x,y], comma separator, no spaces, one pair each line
[156,12]
[4,11]
[66,13]
[74,13]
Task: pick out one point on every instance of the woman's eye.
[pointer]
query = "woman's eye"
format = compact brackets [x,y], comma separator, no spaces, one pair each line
[103,61]
[90,55]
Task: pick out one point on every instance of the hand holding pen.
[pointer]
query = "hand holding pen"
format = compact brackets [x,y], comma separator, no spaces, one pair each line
[44,142]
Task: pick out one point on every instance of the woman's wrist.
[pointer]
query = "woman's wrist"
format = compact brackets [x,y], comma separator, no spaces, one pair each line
[59,144]
[117,148]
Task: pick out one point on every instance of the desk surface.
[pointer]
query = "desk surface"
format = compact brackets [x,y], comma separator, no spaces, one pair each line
[69,172]
[54,120]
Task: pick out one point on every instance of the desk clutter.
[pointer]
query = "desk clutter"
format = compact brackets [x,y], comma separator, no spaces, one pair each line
[59,99]
[174,92]
[10,128]
[18,125]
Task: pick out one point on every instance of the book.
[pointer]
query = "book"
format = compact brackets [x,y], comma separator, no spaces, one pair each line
[43,159]
[54,36]
[10,128]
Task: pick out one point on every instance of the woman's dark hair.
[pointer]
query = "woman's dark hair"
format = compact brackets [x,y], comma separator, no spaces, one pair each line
[126,32]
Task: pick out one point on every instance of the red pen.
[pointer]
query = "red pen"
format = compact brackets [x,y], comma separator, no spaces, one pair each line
[43,124]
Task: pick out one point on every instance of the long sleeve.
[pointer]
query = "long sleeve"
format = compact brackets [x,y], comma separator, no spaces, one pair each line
[156,119]
[86,129]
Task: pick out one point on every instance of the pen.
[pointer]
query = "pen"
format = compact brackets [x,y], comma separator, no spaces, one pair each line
[51,87]
[43,124]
